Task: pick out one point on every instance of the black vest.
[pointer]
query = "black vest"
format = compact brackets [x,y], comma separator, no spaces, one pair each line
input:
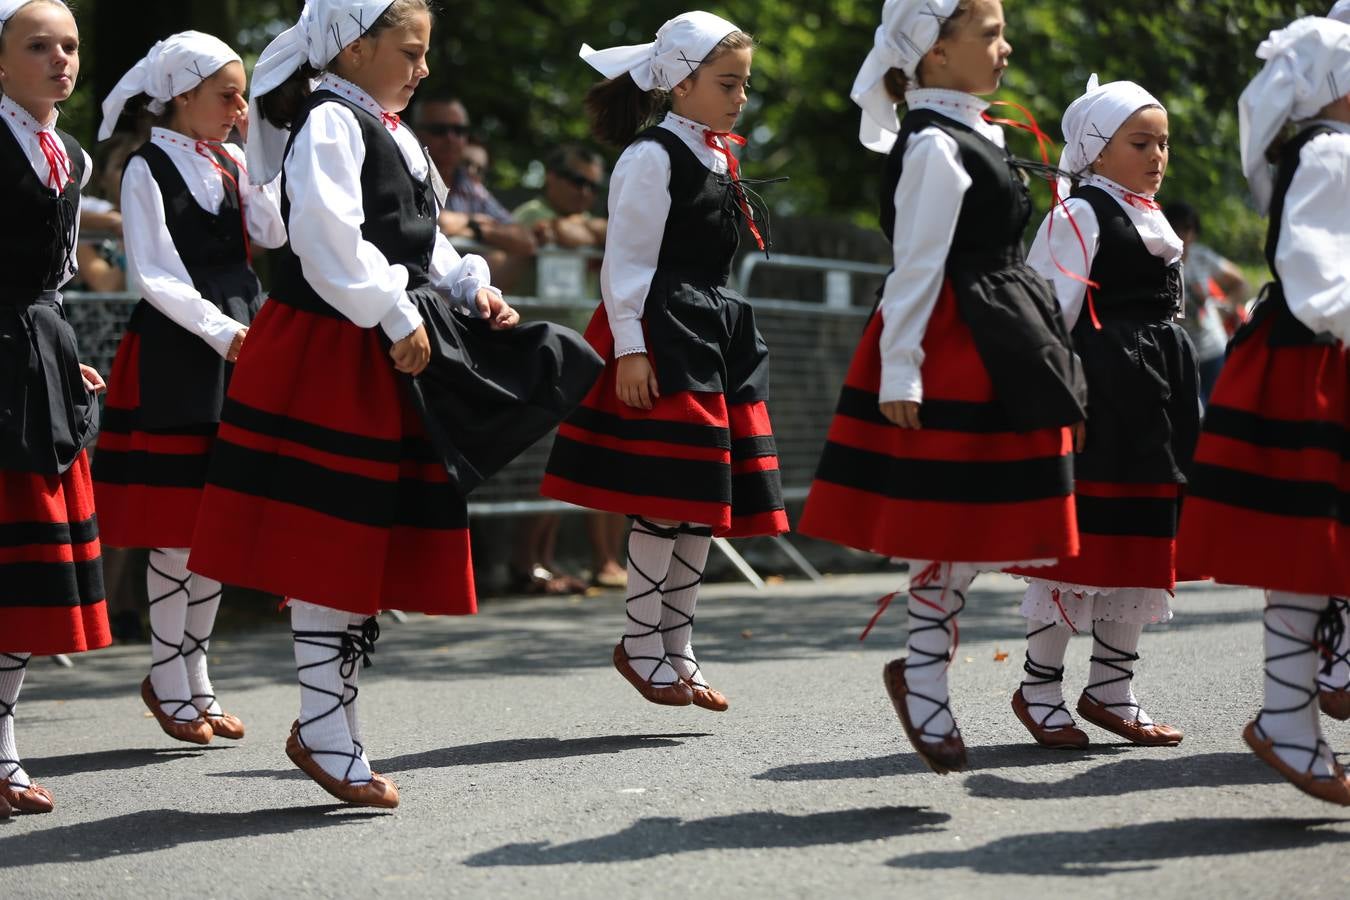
[37,225]
[1135,284]
[182,379]
[703,227]
[995,209]
[1287,330]
[400,211]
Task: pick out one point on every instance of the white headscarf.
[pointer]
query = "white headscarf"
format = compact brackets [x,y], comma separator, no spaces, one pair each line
[680,47]
[1090,122]
[9,7]
[173,66]
[908,30]
[1307,67]
[1340,12]
[324,29]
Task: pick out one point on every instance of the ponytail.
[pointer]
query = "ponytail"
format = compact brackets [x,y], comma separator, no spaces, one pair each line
[281,106]
[618,109]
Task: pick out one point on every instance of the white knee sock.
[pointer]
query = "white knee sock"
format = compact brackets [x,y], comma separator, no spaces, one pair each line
[166,582]
[320,636]
[937,594]
[364,631]
[1290,716]
[1334,673]
[1110,676]
[649,550]
[201,621]
[1043,686]
[679,598]
[12,668]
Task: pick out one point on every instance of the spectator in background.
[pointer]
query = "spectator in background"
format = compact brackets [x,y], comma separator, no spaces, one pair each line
[1215,294]
[471,211]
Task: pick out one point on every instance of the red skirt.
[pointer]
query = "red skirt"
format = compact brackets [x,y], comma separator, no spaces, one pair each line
[692,458]
[1268,503]
[149,483]
[51,573]
[965,487]
[322,484]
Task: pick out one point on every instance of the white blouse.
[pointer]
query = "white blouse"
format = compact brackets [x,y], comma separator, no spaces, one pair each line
[26,130]
[1315,233]
[928,198]
[323,184]
[154,267]
[1062,244]
[639,202]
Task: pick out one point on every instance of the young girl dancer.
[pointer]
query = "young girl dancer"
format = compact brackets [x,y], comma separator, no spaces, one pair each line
[51,574]
[190,217]
[1143,415]
[676,433]
[951,443]
[1266,505]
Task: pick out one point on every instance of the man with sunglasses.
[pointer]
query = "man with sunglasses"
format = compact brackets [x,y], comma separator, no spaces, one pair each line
[562,216]
[471,211]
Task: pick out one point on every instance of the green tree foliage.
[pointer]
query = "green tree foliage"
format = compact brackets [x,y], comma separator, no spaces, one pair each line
[514,63]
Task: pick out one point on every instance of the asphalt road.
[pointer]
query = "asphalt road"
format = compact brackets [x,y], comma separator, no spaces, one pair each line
[528,768]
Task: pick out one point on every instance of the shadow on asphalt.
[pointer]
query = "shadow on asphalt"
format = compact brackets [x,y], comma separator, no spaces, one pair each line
[153,830]
[108,760]
[1131,848]
[1131,775]
[990,756]
[662,836]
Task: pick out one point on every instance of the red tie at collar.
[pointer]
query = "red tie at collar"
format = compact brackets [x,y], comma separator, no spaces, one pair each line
[390,120]
[710,138]
[58,164]
[1139,202]
[211,150]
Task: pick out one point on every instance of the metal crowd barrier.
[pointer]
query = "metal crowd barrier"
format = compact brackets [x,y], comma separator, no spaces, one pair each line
[811,345]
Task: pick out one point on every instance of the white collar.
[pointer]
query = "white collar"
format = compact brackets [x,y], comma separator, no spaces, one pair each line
[173,140]
[1147,218]
[1335,124]
[344,88]
[20,116]
[964,108]
[698,129]
[1115,189]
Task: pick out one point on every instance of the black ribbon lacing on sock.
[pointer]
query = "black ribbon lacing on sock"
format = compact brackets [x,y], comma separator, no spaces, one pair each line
[10,662]
[360,643]
[667,533]
[179,706]
[347,649]
[1310,693]
[687,619]
[1039,675]
[1113,663]
[1330,637]
[199,645]
[934,623]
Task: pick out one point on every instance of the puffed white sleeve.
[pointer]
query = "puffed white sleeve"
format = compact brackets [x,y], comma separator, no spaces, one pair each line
[262,205]
[639,202]
[323,185]
[1314,234]
[459,278]
[1058,241]
[928,200]
[154,267]
[88,169]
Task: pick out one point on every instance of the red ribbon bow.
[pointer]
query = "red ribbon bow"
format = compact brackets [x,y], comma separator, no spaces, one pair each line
[211,150]
[390,120]
[58,163]
[1139,202]
[710,138]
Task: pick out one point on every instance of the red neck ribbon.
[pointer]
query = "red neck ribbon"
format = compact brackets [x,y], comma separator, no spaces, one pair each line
[212,152]
[58,164]
[710,138]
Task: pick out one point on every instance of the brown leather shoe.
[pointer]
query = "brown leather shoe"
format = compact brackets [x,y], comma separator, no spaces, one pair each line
[1333,790]
[295,729]
[1064,737]
[225,725]
[380,792]
[5,808]
[946,755]
[194,732]
[1335,703]
[708,698]
[1154,735]
[677,694]
[33,799]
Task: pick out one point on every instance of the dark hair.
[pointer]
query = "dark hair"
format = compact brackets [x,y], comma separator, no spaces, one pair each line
[618,108]
[281,105]
[897,82]
[1182,217]
[563,157]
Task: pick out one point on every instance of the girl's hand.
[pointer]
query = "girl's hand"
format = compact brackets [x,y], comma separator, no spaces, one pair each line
[496,310]
[241,122]
[412,354]
[93,382]
[904,413]
[636,382]
[232,354]
[1079,436]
